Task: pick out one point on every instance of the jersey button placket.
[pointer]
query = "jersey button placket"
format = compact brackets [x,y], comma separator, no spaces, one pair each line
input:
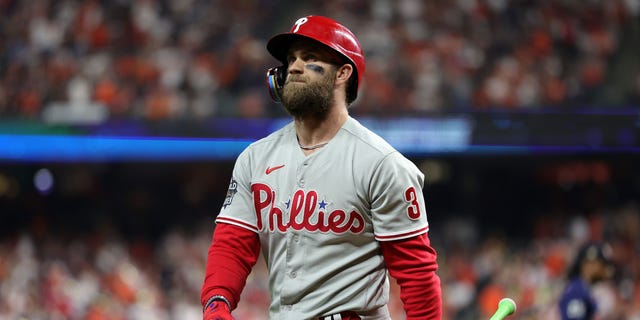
[293,261]
[301,173]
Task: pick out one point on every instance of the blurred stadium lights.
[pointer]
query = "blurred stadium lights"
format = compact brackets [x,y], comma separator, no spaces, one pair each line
[67,148]
[5,185]
[436,171]
[43,181]
[424,135]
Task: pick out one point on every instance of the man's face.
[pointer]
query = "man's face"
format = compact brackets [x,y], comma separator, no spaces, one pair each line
[308,90]
[597,270]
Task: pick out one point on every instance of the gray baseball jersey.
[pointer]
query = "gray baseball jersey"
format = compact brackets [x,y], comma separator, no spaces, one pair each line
[320,217]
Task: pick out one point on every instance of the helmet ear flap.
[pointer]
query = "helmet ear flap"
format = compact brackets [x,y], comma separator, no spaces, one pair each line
[275,82]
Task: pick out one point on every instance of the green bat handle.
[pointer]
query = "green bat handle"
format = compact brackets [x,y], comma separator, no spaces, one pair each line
[506,307]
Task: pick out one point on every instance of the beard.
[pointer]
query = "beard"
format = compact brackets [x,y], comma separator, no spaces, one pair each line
[310,98]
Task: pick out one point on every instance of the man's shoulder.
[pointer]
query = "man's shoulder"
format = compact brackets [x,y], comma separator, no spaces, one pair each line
[367,137]
[576,287]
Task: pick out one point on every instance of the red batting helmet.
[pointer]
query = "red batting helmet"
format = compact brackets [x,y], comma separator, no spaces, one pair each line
[328,32]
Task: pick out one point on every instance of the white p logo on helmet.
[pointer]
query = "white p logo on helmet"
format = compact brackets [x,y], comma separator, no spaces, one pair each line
[298,23]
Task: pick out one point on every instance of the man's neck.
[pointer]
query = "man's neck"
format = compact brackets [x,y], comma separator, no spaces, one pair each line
[314,131]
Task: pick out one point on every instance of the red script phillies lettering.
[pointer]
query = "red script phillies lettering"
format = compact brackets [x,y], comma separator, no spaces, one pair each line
[303,214]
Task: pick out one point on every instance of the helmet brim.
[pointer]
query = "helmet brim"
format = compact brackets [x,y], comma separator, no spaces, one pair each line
[278,46]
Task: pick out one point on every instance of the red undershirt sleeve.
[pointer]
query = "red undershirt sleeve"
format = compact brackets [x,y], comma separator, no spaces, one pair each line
[412,262]
[232,254]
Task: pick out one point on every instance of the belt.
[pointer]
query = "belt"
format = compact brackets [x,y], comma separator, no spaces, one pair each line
[345,315]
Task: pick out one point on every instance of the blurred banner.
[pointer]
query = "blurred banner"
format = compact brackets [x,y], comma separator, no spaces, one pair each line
[224,139]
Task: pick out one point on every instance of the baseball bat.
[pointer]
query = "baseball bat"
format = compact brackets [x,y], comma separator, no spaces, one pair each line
[506,307]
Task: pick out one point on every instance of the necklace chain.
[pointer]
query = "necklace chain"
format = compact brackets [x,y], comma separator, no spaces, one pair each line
[313,147]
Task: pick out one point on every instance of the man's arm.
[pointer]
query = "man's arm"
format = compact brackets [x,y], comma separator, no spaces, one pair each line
[232,254]
[412,262]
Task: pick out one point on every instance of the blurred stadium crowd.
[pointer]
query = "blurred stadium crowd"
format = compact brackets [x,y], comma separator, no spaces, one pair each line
[88,61]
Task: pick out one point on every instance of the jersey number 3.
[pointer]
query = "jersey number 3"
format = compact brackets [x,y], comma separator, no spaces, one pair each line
[413,211]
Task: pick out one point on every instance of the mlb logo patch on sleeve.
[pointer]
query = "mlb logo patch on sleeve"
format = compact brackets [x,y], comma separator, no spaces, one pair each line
[233,188]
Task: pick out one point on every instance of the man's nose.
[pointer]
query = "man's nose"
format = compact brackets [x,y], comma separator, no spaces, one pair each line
[296,66]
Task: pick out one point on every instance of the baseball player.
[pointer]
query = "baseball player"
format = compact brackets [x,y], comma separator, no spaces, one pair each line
[592,264]
[332,207]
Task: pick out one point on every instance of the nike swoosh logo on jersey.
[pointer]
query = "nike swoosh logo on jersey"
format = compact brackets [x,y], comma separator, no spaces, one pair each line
[272,169]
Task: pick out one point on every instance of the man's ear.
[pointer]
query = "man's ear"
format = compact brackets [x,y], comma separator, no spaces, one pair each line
[344,72]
